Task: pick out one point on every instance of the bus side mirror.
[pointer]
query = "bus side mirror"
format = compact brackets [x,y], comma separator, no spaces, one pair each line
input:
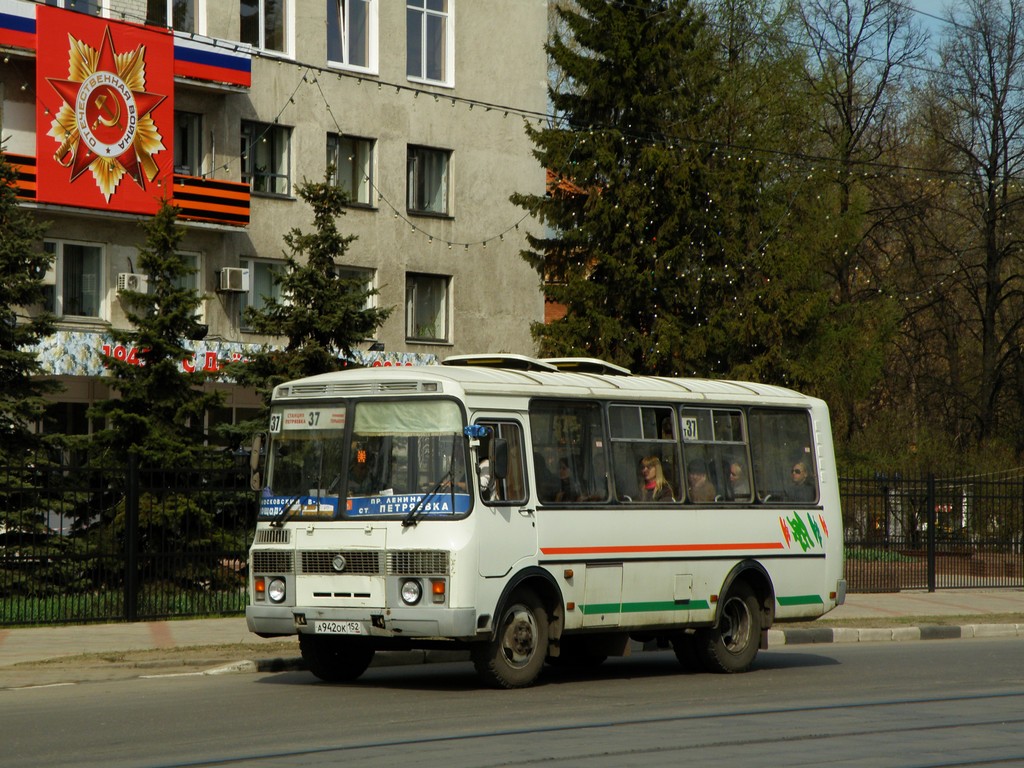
[500,458]
[254,461]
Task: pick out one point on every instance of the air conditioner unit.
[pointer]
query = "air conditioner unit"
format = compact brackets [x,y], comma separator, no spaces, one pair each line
[234,279]
[131,281]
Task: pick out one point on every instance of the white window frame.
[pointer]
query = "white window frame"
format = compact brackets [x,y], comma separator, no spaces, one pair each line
[425,15]
[287,33]
[56,279]
[430,324]
[198,16]
[253,134]
[188,132]
[428,192]
[339,27]
[354,171]
[258,270]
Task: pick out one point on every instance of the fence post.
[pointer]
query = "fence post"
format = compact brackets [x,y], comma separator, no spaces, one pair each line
[131,539]
[932,522]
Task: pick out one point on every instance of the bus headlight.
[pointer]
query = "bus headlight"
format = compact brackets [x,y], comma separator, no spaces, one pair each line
[276,590]
[411,591]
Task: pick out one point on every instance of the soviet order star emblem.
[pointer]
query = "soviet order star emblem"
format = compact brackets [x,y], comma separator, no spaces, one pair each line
[105,122]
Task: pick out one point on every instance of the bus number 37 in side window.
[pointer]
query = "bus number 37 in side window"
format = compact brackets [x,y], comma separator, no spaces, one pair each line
[689,429]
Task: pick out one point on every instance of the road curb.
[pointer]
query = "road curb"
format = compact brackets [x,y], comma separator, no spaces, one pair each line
[804,636]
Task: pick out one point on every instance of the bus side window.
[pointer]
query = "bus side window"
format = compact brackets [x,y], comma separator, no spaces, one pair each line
[715,450]
[644,454]
[780,441]
[569,434]
[510,489]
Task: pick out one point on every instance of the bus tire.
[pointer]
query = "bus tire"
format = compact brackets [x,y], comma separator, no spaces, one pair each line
[732,645]
[335,659]
[515,656]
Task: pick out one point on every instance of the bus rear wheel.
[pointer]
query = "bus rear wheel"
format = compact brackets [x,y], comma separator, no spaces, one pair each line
[515,655]
[335,659]
[732,645]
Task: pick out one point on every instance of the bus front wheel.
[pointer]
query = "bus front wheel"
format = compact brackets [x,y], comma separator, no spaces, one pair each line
[515,655]
[732,645]
[335,659]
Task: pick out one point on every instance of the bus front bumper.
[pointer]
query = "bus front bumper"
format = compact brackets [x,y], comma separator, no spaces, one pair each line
[407,623]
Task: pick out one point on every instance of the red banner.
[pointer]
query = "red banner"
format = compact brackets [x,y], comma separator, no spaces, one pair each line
[104,112]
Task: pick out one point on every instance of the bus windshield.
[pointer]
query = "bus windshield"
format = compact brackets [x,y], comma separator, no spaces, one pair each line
[373,458]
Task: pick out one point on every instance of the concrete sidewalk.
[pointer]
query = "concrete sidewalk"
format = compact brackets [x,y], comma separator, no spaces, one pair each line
[977,607]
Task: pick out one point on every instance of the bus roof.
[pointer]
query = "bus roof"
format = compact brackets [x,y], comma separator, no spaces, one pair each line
[489,376]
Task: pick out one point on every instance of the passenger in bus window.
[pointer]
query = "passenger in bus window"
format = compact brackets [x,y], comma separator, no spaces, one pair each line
[653,485]
[568,488]
[700,488]
[547,483]
[739,485]
[801,486]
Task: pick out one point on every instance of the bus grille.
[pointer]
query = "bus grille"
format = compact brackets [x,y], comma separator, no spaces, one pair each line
[272,561]
[414,563]
[357,562]
[273,536]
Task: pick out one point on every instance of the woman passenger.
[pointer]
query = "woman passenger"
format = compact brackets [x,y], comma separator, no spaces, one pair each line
[653,486]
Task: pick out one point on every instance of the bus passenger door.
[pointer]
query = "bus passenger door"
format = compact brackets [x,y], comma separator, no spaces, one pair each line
[505,520]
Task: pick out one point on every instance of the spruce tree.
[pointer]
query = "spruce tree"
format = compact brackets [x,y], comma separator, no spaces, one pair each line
[22,267]
[23,461]
[159,409]
[633,250]
[322,315]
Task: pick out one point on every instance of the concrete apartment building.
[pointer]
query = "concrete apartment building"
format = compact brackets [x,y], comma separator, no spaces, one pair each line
[107,106]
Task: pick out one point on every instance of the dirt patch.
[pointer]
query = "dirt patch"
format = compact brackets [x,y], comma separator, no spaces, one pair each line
[93,667]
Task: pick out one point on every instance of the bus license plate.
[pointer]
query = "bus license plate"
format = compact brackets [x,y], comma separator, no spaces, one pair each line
[337,628]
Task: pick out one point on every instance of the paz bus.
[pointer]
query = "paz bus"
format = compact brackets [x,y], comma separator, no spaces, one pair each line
[540,511]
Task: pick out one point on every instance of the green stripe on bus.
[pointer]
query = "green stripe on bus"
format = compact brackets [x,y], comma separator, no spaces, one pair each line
[653,607]
[801,600]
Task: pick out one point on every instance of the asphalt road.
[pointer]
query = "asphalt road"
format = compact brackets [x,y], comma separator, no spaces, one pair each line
[935,703]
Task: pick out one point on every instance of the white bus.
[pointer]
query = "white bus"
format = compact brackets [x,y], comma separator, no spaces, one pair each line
[534,511]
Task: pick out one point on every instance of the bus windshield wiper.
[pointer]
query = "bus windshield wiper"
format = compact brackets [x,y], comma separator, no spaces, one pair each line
[290,509]
[417,511]
[286,512]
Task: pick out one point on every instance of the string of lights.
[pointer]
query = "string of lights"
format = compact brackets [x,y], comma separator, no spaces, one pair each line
[784,161]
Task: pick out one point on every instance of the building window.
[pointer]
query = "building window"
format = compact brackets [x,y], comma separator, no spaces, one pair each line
[426,307]
[429,40]
[92,7]
[363,280]
[190,281]
[188,144]
[75,285]
[266,157]
[262,286]
[263,23]
[177,14]
[352,34]
[428,180]
[352,160]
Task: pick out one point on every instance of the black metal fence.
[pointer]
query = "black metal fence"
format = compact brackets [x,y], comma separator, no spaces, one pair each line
[926,532]
[84,544]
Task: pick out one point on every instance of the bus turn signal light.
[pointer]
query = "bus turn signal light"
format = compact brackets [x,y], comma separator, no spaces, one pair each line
[437,589]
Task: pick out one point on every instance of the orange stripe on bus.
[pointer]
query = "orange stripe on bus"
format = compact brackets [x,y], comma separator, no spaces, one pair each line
[660,548]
